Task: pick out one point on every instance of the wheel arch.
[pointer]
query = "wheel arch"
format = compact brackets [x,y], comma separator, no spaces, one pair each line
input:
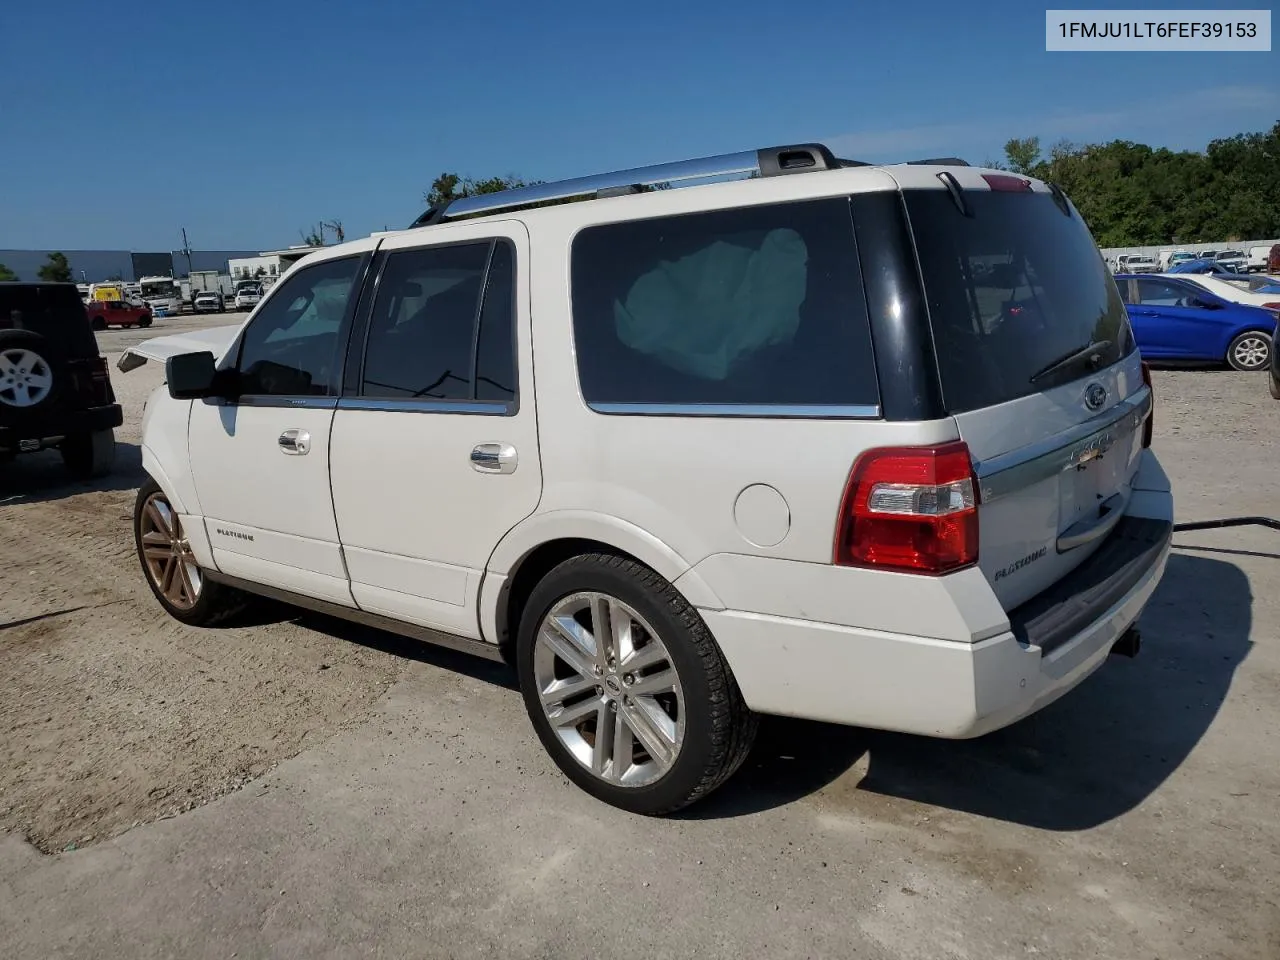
[534,547]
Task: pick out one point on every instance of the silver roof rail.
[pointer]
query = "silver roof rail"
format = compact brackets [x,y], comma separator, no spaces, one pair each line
[767,162]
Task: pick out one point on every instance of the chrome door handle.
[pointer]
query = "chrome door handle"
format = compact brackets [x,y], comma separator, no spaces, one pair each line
[494,458]
[295,442]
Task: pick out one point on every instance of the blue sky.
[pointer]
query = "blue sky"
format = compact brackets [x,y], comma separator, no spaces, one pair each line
[244,122]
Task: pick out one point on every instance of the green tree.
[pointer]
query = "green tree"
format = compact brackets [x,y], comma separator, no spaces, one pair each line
[449,186]
[57,269]
[1022,155]
[1131,194]
[6,273]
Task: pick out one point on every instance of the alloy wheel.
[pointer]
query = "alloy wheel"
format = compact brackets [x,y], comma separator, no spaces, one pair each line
[1251,353]
[167,554]
[25,378]
[609,689]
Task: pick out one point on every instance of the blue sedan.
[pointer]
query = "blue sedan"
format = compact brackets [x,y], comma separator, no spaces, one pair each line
[1177,320]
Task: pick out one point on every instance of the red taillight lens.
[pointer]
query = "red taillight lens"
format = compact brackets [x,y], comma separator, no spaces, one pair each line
[910,508]
[1149,425]
[1007,182]
[1271,306]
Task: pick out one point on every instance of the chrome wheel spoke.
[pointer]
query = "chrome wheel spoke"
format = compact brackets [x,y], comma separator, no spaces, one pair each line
[571,716]
[647,656]
[622,747]
[568,647]
[652,736]
[663,681]
[566,689]
[602,749]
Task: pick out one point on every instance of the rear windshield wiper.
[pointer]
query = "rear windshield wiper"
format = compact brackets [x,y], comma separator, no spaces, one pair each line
[1092,352]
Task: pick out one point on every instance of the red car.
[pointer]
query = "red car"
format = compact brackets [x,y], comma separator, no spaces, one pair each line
[117,313]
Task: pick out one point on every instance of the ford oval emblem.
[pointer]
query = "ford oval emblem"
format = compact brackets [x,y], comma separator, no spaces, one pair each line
[1095,395]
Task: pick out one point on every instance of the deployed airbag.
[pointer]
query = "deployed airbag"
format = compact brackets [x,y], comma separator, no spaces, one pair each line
[702,313]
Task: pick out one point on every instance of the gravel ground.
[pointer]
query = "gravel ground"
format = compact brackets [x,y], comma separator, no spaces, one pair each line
[1135,818]
[111,713]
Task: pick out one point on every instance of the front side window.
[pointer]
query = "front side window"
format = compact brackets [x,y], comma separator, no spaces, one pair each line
[756,306]
[441,327]
[291,346]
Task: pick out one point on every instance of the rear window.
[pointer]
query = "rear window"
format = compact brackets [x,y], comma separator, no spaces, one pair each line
[756,306]
[51,310]
[1011,289]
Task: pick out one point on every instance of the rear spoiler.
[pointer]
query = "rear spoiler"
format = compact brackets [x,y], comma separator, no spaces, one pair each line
[215,340]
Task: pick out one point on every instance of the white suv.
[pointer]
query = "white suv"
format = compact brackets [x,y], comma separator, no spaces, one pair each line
[863,444]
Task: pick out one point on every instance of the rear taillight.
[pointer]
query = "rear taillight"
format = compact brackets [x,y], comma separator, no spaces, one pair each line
[1271,306]
[1149,424]
[95,383]
[910,508]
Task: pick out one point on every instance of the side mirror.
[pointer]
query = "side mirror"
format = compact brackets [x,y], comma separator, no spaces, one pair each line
[190,376]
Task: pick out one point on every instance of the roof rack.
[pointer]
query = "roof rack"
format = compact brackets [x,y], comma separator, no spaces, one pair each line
[767,162]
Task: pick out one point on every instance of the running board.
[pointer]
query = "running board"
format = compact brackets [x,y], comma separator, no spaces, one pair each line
[439,638]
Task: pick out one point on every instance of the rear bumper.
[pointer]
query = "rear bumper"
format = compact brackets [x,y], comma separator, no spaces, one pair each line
[947,688]
[54,426]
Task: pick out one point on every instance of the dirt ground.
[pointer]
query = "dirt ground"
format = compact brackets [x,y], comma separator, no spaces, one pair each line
[111,713]
[1142,808]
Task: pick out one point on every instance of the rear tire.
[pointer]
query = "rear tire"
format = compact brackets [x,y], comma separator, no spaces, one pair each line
[88,456]
[1250,350]
[171,571]
[698,728]
[144,322]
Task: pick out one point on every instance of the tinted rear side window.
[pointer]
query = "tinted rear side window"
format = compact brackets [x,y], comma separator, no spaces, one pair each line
[51,310]
[752,306]
[1010,289]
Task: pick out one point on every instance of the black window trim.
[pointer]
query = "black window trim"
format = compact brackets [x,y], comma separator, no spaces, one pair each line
[330,400]
[755,411]
[357,347]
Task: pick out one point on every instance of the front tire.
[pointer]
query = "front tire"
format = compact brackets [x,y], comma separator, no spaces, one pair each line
[1250,350]
[650,718]
[170,568]
[88,456]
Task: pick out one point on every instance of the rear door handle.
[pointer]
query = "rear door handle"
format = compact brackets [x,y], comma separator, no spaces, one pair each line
[494,458]
[295,442]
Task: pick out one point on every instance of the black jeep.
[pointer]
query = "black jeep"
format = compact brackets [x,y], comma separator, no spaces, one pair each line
[54,386]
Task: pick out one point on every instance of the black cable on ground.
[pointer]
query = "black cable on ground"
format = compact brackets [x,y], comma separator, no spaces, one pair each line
[1228,522]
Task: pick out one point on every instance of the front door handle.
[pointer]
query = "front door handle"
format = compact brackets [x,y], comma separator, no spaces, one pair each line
[295,442]
[494,458]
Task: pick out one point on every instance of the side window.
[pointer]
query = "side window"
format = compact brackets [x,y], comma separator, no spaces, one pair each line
[496,342]
[1158,293]
[291,347]
[759,305]
[1126,290]
[423,339]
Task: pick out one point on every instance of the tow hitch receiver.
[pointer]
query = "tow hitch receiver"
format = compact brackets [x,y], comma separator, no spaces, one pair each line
[1129,644]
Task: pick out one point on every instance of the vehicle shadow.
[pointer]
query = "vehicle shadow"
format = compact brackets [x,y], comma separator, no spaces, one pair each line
[1082,761]
[407,648]
[40,477]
